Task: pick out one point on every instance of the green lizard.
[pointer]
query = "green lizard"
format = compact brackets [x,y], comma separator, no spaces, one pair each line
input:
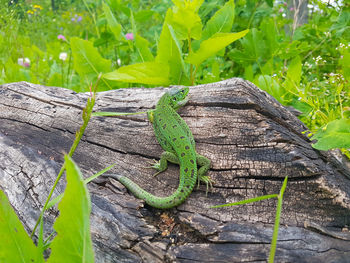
[178,144]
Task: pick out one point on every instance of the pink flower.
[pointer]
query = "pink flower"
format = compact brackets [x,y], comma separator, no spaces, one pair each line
[129,36]
[281,10]
[61,37]
[24,62]
[291,9]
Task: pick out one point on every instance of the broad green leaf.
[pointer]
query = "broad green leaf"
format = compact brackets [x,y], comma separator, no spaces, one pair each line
[267,69]
[193,5]
[142,49]
[294,70]
[213,45]
[176,64]
[133,24]
[73,241]
[221,21]
[143,16]
[255,46]
[170,53]
[16,245]
[141,44]
[112,22]
[271,86]
[293,75]
[342,25]
[88,62]
[186,23]
[248,73]
[272,43]
[269,2]
[335,134]
[147,73]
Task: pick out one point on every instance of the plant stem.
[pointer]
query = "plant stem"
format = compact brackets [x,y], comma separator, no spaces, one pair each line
[93,18]
[189,52]
[277,221]
[87,111]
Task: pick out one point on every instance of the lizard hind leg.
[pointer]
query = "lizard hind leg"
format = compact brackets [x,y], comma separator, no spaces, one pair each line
[162,164]
[204,166]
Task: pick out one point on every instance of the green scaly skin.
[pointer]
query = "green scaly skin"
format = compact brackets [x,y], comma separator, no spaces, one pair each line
[177,141]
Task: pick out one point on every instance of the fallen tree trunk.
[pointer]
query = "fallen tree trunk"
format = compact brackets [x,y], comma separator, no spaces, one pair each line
[252,141]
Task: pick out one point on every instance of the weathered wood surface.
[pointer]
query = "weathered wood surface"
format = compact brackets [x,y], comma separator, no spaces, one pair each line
[253,143]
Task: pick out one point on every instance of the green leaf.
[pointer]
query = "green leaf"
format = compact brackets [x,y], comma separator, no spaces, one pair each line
[271,86]
[247,201]
[335,134]
[193,5]
[269,2]
[270,39]
[170,53]
[142,48]
[16,245]
[213,45]
[88,62]
[147,73]
[144,16]
[345,63]
[186,22]
[293,75]
[277,221]
[111,114]
[221,21]
[112,22]
[89,179]
[73,241]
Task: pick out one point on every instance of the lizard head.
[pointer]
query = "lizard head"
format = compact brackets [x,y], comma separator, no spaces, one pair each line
[178,97]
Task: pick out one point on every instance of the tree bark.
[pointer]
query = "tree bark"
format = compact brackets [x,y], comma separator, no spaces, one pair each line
[252,141]
[298,11]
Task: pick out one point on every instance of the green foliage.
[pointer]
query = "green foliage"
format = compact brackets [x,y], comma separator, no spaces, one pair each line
[112,22]
[18,246]
[147,72]
[183,43]
[88,62]
[336,134]
[212,45]
[221,21]
[73,241]
[182,24]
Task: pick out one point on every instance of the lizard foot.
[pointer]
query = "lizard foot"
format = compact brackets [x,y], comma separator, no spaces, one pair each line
[155,165]
[208,181]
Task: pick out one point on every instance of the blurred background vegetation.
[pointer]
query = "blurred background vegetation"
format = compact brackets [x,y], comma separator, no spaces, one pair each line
[296,50]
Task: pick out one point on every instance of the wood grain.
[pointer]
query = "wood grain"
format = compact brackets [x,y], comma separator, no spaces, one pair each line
[252,141]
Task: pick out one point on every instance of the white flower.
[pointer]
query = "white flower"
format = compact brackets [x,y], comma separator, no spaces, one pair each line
[63,56]
[119,62]
[24,62]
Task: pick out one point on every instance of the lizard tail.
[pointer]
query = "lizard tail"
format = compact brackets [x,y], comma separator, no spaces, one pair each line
[178,197]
